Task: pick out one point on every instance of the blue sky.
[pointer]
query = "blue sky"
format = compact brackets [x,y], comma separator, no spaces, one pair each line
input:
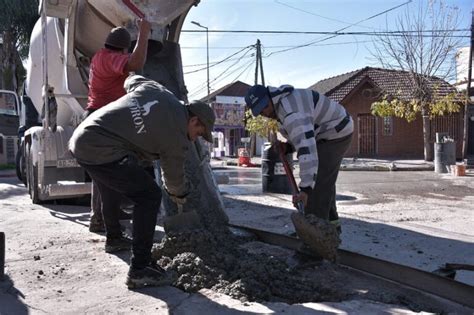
[300,67]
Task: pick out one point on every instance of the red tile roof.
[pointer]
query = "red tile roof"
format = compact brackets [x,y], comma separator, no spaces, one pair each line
[392,82]
[236,88]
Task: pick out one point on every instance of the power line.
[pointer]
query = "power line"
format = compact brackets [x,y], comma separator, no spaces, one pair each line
[230,67]
[287,46]
[219,62]
[214,62]
[201,87]
[338,32]
[246,69]
[321,16]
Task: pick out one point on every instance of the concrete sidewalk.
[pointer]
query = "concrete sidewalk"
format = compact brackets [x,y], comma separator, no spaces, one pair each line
[348,164]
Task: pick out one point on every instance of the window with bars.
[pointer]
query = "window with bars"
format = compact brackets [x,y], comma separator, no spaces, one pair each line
[387,126]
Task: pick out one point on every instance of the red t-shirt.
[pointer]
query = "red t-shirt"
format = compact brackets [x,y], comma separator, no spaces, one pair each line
[106,78]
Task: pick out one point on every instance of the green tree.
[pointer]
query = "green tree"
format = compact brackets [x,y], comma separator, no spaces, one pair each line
[264,127]
[424,44]
[17,19]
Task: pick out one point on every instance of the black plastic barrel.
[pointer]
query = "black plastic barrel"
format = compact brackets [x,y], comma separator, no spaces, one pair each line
[274,179]
[444,156]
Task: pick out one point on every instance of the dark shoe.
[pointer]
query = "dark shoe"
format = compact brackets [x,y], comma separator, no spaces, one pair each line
[113,245]
[124,215]
[152,275]
[96,226]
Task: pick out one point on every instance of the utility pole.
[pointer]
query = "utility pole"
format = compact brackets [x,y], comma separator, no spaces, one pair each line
[258,64]
[259,47]
[469,108]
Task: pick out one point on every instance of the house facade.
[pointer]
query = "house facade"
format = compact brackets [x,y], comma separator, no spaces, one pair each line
[387,137]
[228,104]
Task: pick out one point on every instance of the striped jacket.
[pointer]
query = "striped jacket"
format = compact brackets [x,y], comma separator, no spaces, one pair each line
[306,117]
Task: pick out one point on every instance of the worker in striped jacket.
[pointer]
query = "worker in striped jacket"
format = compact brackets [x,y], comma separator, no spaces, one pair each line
[319,129]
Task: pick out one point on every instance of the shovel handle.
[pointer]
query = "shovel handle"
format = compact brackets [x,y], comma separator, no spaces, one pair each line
[134,8]
[289,175]
[287,167]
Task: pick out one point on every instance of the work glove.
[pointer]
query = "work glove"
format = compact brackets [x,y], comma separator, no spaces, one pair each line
[300,201]
[179,201]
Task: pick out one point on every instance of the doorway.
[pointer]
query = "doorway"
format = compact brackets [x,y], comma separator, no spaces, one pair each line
[367,127]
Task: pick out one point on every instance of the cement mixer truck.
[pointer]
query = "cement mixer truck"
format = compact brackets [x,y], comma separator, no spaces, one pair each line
[63,41]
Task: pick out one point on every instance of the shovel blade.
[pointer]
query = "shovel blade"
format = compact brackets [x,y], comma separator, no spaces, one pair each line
[321,238]
[182,222]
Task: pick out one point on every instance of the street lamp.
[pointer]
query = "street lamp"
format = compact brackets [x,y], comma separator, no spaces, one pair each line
[207,47]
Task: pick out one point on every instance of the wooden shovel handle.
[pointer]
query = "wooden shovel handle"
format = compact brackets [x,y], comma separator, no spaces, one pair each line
[134,8]
[289,175]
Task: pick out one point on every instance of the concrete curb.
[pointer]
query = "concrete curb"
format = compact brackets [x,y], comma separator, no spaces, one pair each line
[376,168]
[382,168]
[8,173]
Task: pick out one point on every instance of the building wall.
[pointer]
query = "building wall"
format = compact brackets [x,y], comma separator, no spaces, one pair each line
[8,149]
[406,140]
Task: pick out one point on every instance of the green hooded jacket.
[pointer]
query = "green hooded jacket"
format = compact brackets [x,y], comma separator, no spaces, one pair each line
[149,122]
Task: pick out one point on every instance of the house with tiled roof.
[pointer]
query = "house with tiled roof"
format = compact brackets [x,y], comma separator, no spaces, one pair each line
[228,104]
[388,137]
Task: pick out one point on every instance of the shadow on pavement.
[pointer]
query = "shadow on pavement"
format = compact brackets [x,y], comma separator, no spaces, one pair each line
[15,188]
[73,213]
[11,299]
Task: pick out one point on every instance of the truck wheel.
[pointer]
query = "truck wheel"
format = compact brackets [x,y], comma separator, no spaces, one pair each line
[32,176]
[20,166]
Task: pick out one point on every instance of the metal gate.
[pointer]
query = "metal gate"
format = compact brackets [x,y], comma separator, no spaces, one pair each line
[367,127]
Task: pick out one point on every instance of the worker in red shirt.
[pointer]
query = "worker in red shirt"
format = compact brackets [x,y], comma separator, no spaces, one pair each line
[109,68]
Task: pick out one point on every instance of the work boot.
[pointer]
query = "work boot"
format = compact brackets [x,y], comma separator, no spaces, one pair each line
[153,275]
[96,226]
[117,244]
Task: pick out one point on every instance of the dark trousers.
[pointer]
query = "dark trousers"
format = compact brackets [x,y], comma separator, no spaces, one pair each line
[96,201]
[96,204]
[127,178]
[322,199]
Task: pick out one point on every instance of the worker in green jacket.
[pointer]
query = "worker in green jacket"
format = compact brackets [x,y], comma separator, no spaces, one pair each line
[148,123]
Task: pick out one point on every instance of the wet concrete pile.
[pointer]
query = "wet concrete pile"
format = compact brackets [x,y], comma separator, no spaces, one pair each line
[217,260]
[248,270]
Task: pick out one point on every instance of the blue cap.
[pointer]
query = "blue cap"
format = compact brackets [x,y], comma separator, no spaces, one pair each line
[257,99]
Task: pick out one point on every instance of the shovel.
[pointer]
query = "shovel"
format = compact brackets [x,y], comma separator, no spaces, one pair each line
[319,240]
[182,221]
